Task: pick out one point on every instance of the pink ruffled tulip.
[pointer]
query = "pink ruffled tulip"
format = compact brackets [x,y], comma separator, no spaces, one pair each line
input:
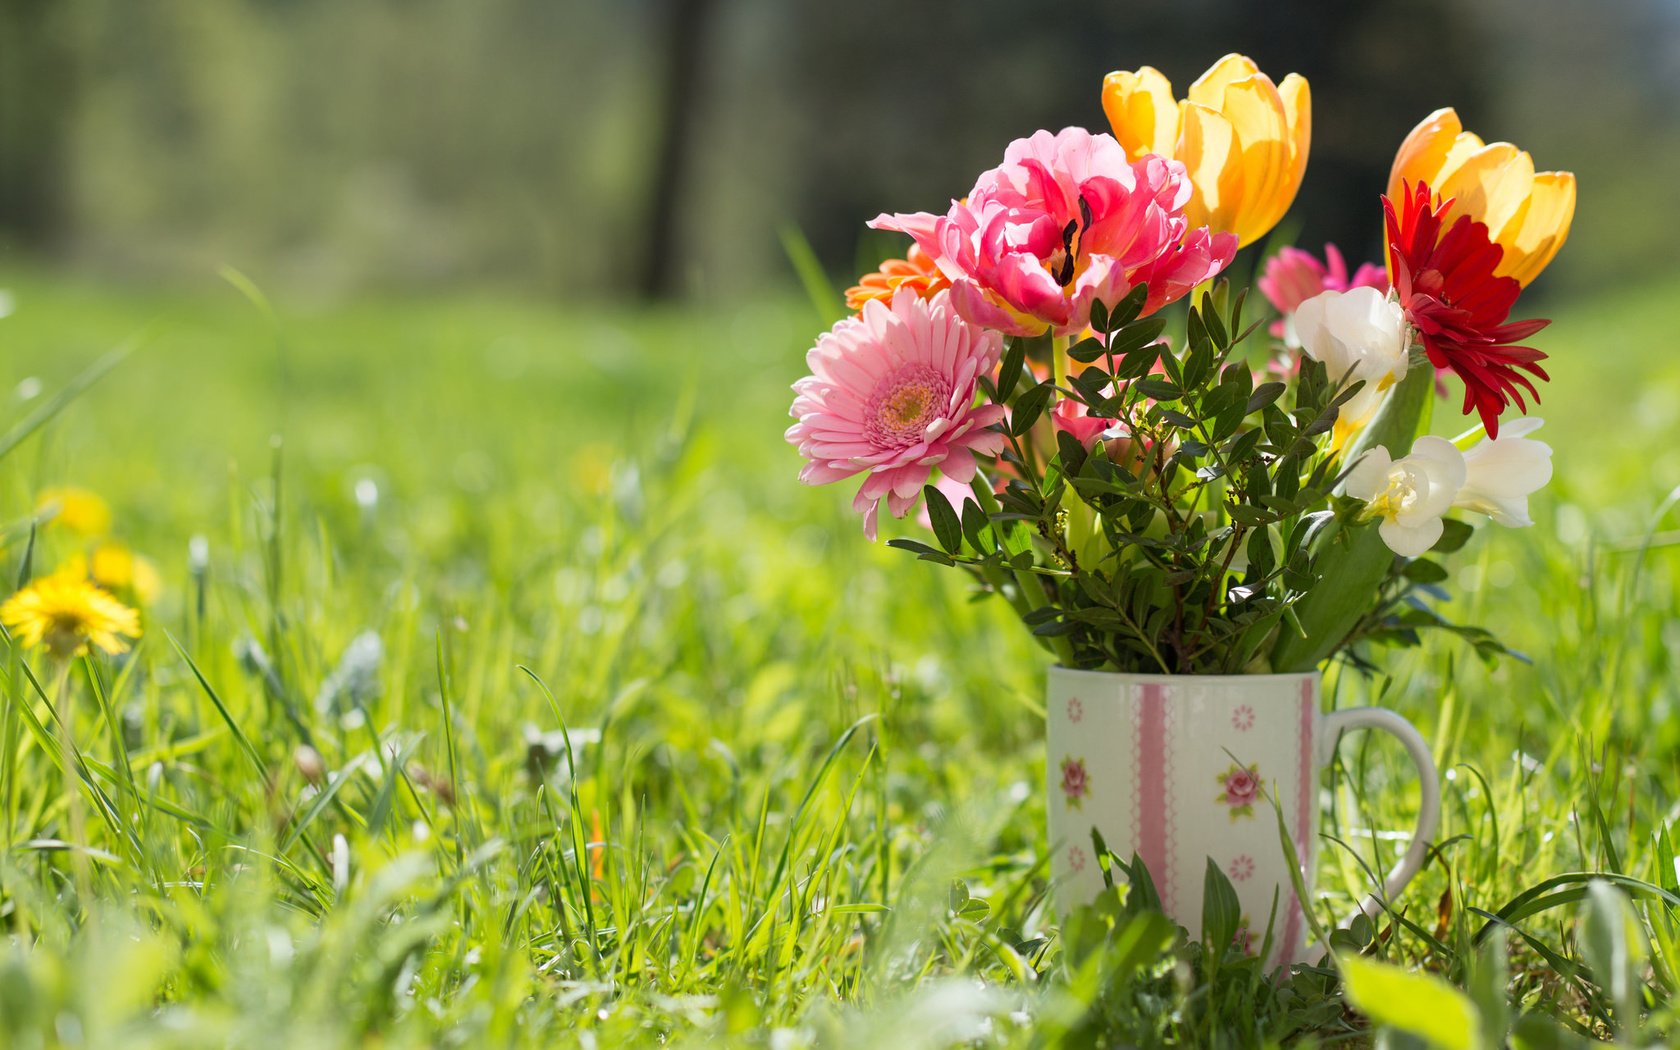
[891,396]
[1066,221]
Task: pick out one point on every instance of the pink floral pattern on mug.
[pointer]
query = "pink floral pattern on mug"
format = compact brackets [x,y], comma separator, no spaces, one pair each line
[1076,782]
[1242,719]
[1075,710]
[1076,859]
[1240,784]
[1241,868]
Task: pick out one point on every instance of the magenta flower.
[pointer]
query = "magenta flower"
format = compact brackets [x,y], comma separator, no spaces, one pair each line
[1293,276]
[891,396]
[1074,417]
[1065,221]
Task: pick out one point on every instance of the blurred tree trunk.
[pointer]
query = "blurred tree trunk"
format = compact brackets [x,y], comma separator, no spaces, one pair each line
[36,96]
[682,57]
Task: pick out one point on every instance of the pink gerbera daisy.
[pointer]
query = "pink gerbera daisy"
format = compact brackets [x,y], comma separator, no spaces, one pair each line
[892,397]
[1066,221]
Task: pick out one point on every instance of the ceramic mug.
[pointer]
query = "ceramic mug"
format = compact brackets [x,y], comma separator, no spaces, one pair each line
[1178,768]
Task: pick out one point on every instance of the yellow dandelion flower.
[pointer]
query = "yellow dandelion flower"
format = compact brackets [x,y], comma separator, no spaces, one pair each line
[79,510]
[119,570]
[66,613]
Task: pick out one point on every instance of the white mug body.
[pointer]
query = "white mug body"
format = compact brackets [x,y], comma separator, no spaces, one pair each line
[1181,769]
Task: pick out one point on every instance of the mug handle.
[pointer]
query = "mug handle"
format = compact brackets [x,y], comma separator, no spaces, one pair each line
[1429,814]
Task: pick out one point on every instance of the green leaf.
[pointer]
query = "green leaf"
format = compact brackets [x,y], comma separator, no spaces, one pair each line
[1357,560]
[1421,570]
[1534,1032]
[1126,310]
[1009,373]
[946,527]
[1221,911]
[975,524]
[1136,335]
[1418,1004]
[1137,363]
[1263,395]
[1215,326]
[922,551]
[1030,407]
[1489,974]
[1454,535]
[1615,949]
[1087,350]
[1159,389]
[1099,316]
[1249,516]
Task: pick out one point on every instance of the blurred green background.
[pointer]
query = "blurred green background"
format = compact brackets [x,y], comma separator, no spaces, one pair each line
[572,149]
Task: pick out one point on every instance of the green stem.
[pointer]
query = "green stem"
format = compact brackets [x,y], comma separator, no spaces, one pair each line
[76,833]
[1029,592]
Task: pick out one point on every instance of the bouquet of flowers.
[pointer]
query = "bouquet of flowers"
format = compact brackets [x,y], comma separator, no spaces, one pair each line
[1157,472]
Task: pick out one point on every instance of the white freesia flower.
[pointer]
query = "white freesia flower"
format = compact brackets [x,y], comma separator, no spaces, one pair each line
[1504,472]
[1357,334]
[1409,494]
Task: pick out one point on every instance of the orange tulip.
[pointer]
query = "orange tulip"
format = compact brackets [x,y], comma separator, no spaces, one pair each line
[1243,139]
[1527,214]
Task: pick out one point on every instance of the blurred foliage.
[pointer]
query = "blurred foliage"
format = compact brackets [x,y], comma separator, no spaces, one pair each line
[329,147]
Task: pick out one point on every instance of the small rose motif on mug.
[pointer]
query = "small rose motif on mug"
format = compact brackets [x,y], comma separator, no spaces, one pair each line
[1241,868]
[1076,782]
[1242,719]
[1076,859]
[1241,789]
[1075,709]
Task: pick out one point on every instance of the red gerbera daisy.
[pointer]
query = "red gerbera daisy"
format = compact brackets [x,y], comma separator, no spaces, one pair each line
[1446,284]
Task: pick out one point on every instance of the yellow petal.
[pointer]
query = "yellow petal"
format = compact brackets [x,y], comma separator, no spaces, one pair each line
[1422,152]
[1297,109]
[1242,138]
[1544,226]
[1256,113]
[1207,145]
[1488,184]
[1209,88]
[1142,111]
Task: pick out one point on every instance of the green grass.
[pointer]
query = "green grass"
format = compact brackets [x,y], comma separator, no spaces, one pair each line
[659,749]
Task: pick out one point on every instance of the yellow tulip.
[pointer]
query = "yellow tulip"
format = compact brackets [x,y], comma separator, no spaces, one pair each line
[1243,139]
[1527,214]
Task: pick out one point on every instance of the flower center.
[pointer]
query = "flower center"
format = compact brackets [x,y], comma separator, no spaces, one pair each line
[65,633]
[904,403]
[1398,496]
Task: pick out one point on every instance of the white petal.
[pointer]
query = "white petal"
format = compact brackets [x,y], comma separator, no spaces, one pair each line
[1312,329]
[1370,475]
[1410,541]
[1504,472]
[1441,471]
